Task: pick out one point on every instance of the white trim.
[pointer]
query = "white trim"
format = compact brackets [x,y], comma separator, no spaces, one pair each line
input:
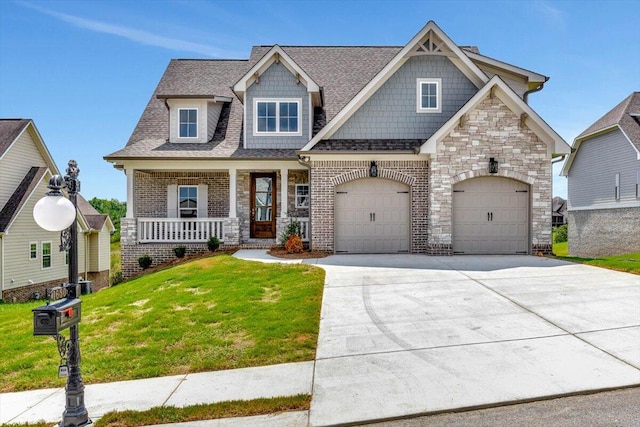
[555,144]
[190,138]
[131,176]
[609,205]
[180,209]
[42,243]
[284,193]
[277,101]
[466,66]
[233,184]
[265,62]
[36,257]
[40,145]
[308,196]
[419,83]
[530,75]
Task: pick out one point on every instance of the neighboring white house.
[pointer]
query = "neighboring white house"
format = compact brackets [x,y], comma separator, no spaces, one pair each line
[604,184]
[426,148]
[30,260]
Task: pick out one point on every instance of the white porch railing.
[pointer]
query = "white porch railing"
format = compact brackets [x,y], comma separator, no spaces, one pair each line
[197,230]
[304,228]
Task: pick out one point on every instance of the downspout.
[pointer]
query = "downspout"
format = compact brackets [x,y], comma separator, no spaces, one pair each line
[303,160]
[166,104]
[538,88]
[562,157]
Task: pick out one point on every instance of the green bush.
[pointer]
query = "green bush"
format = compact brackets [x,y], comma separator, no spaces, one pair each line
[213,243]
[116,278]
[145,261]
[180,251]
[560,234]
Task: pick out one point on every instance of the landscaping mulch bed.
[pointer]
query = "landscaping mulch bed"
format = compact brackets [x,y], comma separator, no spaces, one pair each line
[281,252]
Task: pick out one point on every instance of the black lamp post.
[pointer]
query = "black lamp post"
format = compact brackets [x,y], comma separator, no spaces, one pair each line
[55,213]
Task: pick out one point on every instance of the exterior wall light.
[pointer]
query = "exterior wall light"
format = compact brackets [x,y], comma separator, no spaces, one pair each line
[493,165]
[373,170]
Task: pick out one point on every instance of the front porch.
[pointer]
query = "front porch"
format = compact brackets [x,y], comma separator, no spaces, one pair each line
[240,207]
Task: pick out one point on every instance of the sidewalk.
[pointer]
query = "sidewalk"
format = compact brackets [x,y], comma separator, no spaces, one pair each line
[178,390]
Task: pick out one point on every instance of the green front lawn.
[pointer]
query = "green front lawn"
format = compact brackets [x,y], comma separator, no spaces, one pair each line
[209,314]
[629,263]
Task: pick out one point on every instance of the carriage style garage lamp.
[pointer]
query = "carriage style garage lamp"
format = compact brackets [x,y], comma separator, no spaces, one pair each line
[493,165]
[54,212]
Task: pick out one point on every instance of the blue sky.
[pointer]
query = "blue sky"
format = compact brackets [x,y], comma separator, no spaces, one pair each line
[84,70]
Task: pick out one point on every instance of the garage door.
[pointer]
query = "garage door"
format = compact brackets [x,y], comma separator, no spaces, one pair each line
[372,216]
[490,216]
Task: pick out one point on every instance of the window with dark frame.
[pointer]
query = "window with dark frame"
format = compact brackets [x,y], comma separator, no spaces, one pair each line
[33,250]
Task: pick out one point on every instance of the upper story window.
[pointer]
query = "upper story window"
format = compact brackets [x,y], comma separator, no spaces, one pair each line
[188,202]
[277,117]
[188,123]
[429,96]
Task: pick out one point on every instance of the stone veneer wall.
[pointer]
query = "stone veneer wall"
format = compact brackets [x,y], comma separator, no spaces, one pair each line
[151,191]
[490,130]
[327,174]
[604,232]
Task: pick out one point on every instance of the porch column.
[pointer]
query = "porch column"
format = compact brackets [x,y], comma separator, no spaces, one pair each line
[284,178]
[130,173]
[232,193]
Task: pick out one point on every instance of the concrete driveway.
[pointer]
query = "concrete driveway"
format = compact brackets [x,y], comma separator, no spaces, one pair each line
[409,334]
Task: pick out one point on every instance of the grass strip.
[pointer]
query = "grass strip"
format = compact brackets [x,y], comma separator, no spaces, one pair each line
[229,409]
[628,263]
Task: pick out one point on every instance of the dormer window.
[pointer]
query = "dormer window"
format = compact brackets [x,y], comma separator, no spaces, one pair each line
[429,96]
[188,123]
[277,117]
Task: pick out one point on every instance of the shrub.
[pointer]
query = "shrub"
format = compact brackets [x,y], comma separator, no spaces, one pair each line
[213,243]
[117,278]
[145,261]
[180,251]
[293,227]
[294,244]
[560,234]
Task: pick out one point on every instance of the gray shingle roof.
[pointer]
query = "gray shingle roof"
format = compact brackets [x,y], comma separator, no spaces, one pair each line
[9,131]
[626,115]
[94,219]
[20,196]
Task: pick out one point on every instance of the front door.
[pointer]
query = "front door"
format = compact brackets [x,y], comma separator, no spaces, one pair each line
[263,205]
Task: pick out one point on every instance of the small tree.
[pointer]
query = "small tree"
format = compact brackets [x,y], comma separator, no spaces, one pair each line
[294,244]
[292,228]
[560,234]
[145,261]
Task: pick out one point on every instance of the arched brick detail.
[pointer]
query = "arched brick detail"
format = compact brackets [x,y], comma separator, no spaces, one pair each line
[384,173]
[502,174]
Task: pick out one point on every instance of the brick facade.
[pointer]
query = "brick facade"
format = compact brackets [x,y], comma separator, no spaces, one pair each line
[604,232]
[100,280]
[326,175]
[490,130]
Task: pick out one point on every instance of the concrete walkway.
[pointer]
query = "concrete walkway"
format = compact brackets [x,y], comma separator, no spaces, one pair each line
[403,335]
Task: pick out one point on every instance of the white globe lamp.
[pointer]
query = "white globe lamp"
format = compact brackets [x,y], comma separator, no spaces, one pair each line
[54,212]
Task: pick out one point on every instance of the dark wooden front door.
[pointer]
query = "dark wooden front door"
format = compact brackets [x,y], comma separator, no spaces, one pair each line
[263,205]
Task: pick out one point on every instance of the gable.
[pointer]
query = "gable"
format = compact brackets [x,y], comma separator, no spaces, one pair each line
[390,113]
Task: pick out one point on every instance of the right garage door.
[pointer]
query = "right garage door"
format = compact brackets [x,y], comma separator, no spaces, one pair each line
[490,216]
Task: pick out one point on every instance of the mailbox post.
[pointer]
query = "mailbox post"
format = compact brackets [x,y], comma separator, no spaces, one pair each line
[55,213]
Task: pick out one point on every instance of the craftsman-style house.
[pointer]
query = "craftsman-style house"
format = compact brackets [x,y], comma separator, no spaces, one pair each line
[30,260]
[424,148]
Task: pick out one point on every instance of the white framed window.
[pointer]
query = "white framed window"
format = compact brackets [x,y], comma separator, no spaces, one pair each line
[46,255]
[302,195]
[188,201]
[617,187]
[33,251]
[429,95]
[276,116]
[188,123]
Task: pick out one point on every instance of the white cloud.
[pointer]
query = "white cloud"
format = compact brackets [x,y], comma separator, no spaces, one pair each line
[554,15]
[138,36]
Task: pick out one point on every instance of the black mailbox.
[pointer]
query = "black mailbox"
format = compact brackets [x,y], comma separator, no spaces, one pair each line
[55,317]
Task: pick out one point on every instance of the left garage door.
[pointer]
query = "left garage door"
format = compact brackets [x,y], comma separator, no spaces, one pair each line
[372,216]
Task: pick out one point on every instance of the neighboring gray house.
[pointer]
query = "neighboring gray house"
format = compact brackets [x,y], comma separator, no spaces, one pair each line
[603,174]
[30,261]
[559,211]
[423,148]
